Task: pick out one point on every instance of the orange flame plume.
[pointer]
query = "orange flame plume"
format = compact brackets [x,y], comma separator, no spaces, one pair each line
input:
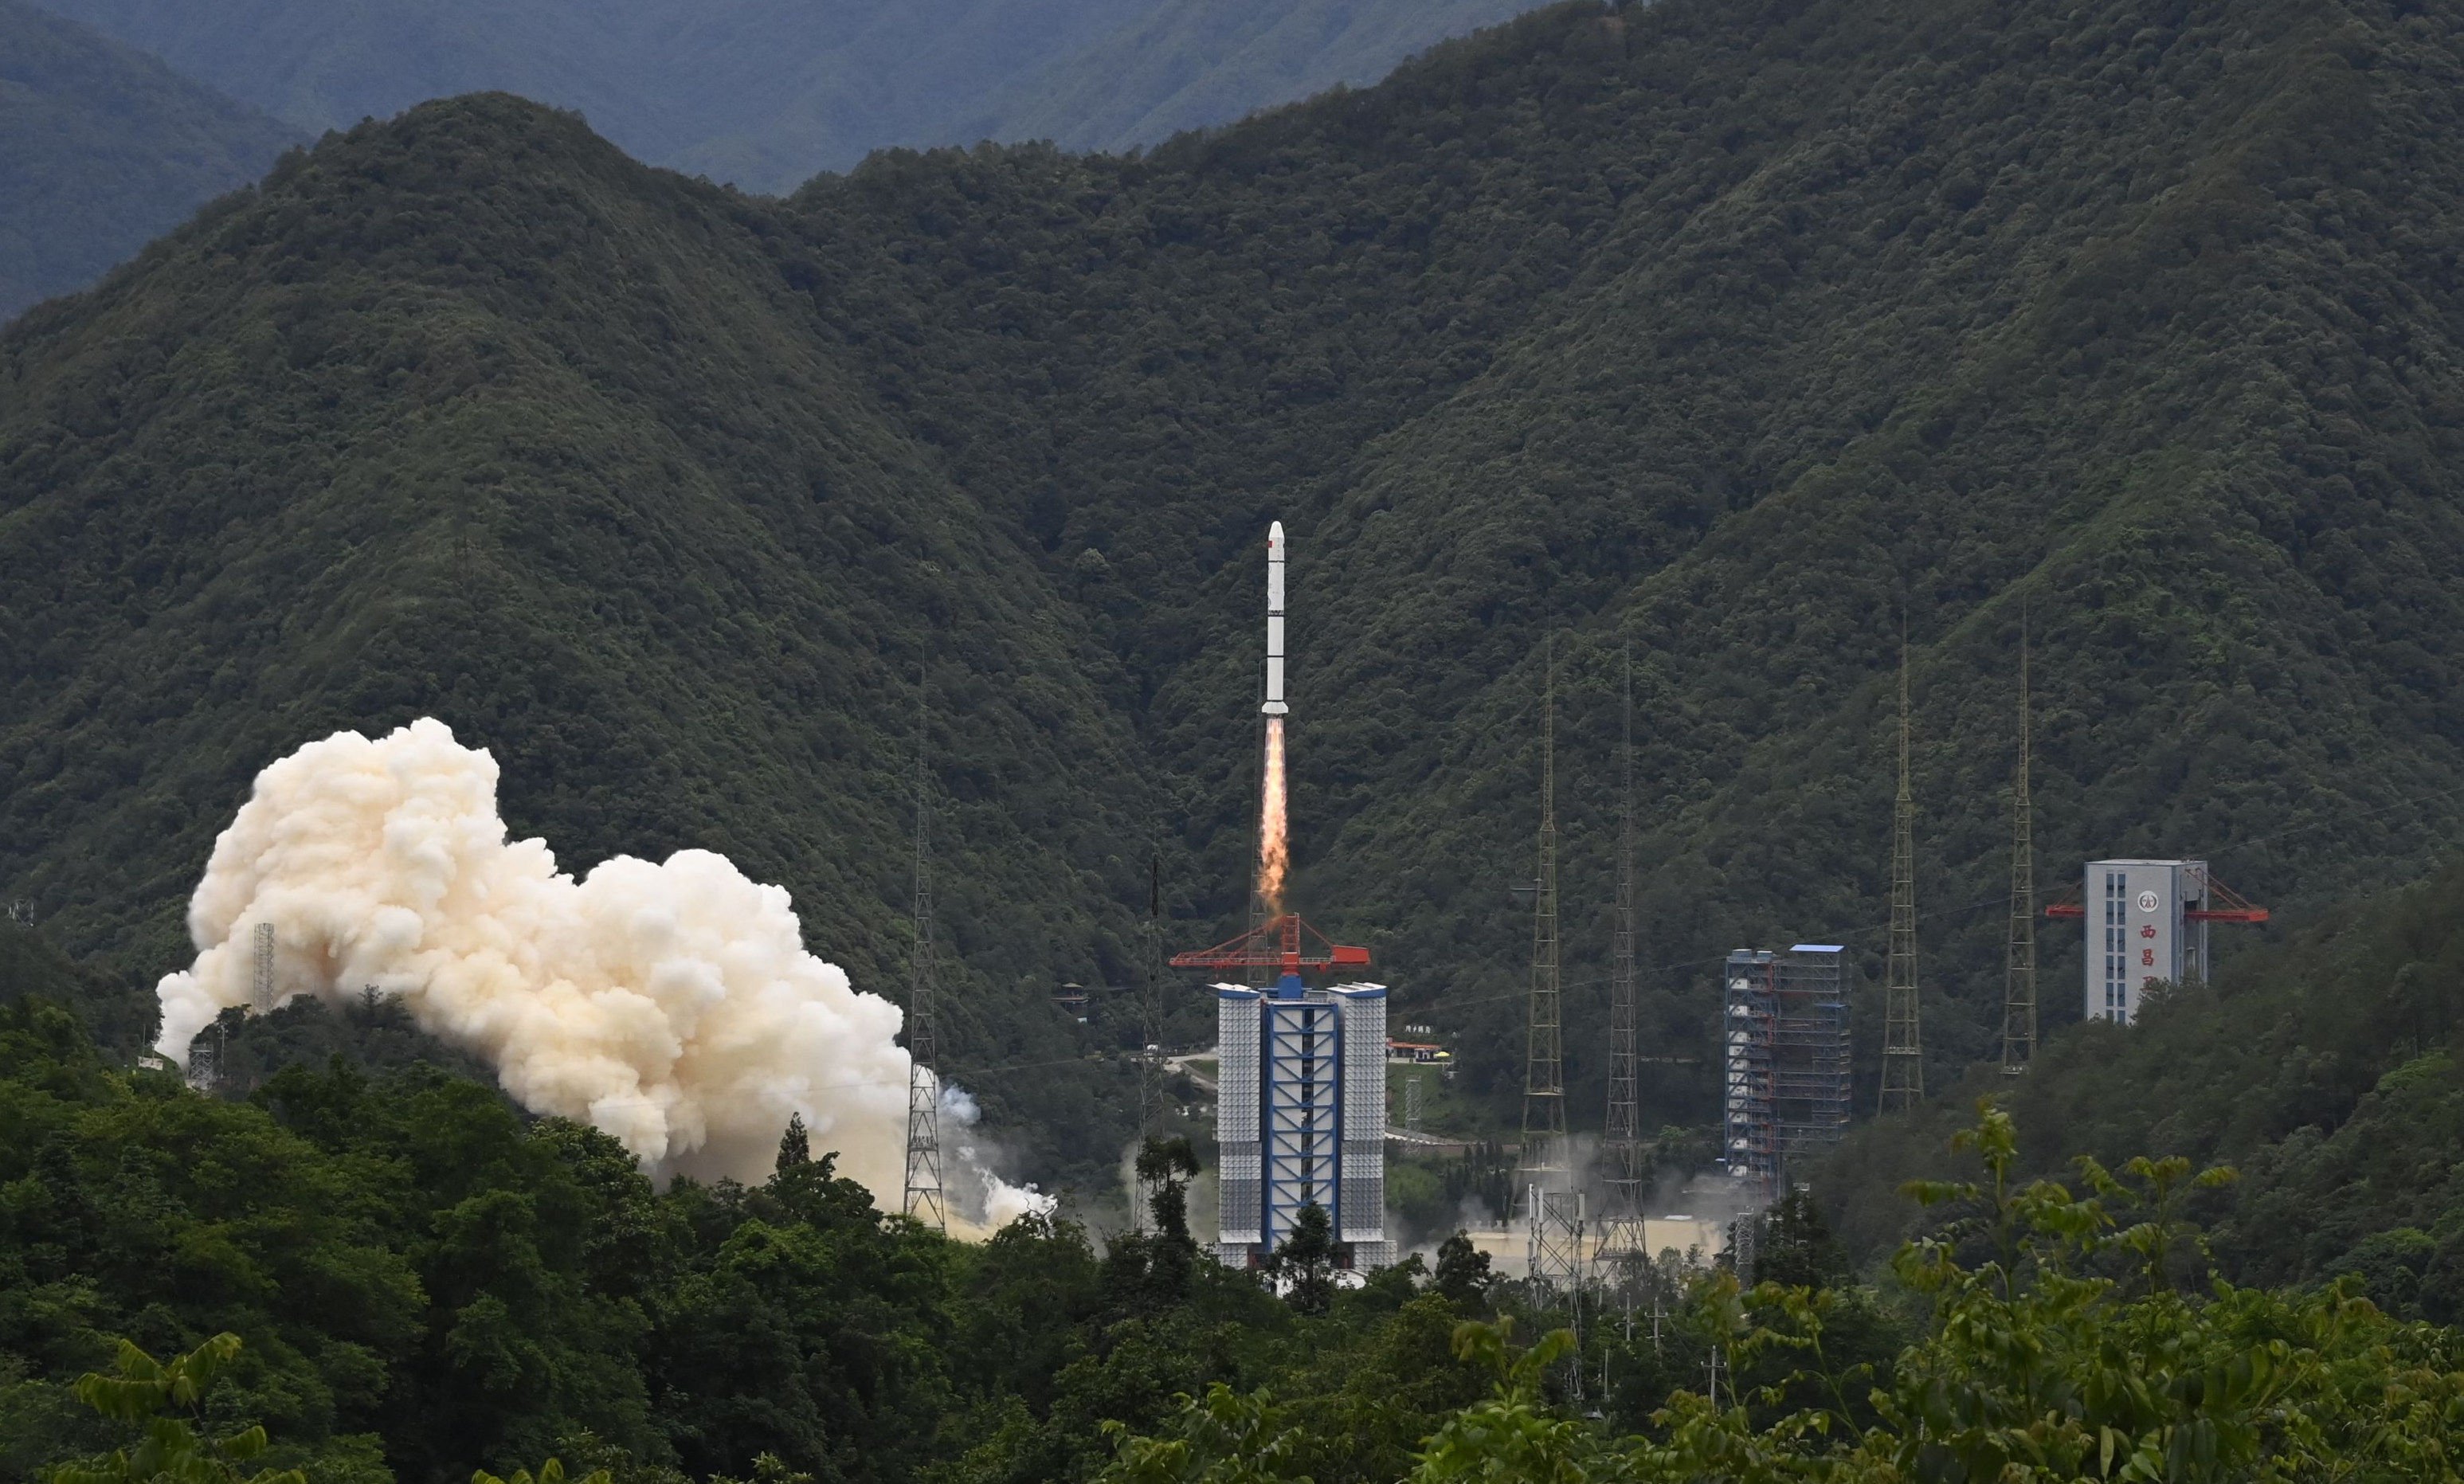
[1274,848]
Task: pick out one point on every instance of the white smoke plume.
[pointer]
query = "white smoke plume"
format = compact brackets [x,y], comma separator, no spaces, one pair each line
[981,1195]
[672,1005]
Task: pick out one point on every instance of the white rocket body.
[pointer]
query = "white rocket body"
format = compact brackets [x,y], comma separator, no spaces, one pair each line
[1274,706]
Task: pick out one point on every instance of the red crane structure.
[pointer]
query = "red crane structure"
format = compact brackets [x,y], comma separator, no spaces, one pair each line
[2225,905]
[1283,942]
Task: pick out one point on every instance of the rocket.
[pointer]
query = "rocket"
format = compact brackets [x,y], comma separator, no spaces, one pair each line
[1274,706]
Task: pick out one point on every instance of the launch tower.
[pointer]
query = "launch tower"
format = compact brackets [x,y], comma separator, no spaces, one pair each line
[1300,1108]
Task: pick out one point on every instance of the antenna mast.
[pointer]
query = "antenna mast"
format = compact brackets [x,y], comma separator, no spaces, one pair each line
[1621,1236]
[2019,975]
[924,1200]
[1544,1092]
[1903,1044]
[1554,1207]
[1151,1033]
[1625,1112]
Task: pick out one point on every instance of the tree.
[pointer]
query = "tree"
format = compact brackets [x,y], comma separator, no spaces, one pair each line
[1794,1246]
[147,1392]
[795,1145]
[1303,1267]
[1463,1274]
[551,1472]
[1512,1437]
[1164,1165]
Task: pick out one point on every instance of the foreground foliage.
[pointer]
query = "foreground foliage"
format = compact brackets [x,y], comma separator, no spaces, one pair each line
[426,1285]
[2063,1337]
[166,1401]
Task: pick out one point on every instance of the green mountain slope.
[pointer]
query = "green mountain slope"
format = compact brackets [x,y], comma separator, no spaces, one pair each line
[765,94]
[101,149]
[606,512]
[2325,1073]
[1723,338]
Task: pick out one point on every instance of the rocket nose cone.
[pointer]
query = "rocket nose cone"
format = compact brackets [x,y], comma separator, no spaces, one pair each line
[1275,533]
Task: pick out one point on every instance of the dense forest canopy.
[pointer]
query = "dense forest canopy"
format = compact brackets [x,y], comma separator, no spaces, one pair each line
[102,149]
[763,95]
[1724,338]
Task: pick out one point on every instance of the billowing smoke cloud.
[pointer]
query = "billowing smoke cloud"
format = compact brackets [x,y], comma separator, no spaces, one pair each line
[978,1193]
[672,1005]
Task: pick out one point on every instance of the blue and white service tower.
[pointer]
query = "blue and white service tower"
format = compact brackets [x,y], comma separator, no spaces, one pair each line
[1300,1116]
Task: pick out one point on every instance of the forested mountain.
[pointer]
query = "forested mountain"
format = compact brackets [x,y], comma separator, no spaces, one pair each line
[2325,1073]
[104,148]
[1729,338]
[765,94]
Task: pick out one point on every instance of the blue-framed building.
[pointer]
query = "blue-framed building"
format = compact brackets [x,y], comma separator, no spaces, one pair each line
[1300,1116]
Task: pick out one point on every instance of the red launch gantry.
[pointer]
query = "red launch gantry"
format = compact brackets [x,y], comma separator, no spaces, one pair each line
[1285,944]
[2225,905]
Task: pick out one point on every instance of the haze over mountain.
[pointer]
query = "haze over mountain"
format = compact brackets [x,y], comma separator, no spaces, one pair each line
[1720,337]
[765,94]
[104,148]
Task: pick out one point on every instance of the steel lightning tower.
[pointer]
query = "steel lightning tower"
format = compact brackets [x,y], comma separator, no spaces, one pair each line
[1622,1235]
[1554,1208]
[1902,1042]
[2019,968]
[923,1200]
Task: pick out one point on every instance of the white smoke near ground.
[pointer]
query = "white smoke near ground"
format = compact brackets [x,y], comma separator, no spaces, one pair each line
[979,1194]
[672,1005]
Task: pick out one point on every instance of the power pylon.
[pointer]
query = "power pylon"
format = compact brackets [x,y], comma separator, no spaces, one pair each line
[1902,1040]
[2019,972]
[924,1200]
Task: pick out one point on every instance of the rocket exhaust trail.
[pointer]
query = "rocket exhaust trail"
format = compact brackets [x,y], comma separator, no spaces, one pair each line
[1274,844]
[1274,847]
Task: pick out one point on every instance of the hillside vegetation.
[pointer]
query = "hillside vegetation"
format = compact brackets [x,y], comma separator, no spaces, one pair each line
[1729,338]
[104,148]
[2325,1073]
[765,93]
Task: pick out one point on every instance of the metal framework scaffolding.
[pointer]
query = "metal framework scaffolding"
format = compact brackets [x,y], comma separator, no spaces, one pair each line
[1787,1062]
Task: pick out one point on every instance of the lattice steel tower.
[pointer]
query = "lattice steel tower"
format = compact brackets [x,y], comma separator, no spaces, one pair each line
[260,990]
[1902,1042]
[2019,972]
[924,1200]
[1622,1235]
[1555,1209]
[1544,1089]
[1150,1037]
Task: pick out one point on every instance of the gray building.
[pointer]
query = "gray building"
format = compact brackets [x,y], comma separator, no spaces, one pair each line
[2147,925]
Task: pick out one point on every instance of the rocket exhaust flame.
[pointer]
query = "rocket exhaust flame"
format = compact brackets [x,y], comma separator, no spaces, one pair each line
[1274,846]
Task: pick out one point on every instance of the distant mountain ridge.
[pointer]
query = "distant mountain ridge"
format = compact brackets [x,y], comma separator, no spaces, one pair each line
[766,93]
[104,148]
